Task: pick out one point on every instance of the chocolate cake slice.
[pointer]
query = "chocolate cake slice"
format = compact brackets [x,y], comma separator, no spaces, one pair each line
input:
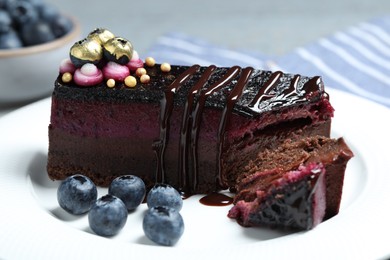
[201,129]
[295,200]
[296,185]
[193,127]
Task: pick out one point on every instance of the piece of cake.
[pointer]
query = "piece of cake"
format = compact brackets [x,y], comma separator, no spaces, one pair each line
[296,185]
[294,200]
[194,127]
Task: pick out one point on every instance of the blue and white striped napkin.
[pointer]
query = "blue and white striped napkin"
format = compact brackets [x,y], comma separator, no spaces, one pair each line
[182,49]
[356,60]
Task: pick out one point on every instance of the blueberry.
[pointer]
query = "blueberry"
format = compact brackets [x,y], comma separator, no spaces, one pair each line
[5,21]
[22,12]
[36,33]
[163,225]
[130,189]
[76,194]
[107,216]
[164,195]
[4,4]
[47,12]
[10,40]
[60,26]
[36,3]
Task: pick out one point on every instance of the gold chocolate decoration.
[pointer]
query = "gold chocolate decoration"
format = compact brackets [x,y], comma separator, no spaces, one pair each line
[118,50]
[86,51]
[100,35]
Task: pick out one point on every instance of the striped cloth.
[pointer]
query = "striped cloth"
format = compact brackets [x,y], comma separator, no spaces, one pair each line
[356,60]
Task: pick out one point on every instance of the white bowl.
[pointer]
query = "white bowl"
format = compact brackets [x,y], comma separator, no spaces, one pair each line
[27,74]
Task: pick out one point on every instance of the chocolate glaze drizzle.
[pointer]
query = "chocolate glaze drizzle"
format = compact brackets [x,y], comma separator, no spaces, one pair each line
[186,124]
[226,115]
[197,117]
[165,114]
[265,92]
[193,110]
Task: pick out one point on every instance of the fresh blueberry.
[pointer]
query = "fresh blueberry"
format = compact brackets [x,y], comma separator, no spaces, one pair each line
[4,4]
[5,21]
[22,12]
[47,12]
[76,194]
[107,216]
[36,3]
[36,33]
[163,225]
[130,189]
[164,195]
[10,40]
[60,26]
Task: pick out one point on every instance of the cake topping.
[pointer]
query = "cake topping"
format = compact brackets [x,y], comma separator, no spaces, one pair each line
[118,50]
[135,62]
[130,81]
[100,35]
[114,55]
[165,67]
[110,83]
[88,75]
[150,62]
[115,71]
[67,66]
[67,77]
[86,51]
[140,71]
[144,78]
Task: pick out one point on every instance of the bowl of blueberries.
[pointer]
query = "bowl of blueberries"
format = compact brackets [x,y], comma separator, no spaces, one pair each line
[34,37]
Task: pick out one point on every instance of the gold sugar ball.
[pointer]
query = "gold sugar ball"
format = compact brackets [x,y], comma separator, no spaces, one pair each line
[140,71]
[165,67]
[100,35]
[130,81]
[118,50]
[86,51]
[145,78]
[67,77]
[110,83]
[150,62]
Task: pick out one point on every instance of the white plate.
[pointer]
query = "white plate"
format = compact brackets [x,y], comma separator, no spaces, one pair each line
[33,226]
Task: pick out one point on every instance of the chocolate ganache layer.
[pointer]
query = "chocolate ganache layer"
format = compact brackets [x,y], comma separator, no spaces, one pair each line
[193,127]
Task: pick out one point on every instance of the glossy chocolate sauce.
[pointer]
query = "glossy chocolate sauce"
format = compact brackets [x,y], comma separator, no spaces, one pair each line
[226,115]
[216,199]
[197,118]
[237,79]
[165,114]
[265,92]
[186,126]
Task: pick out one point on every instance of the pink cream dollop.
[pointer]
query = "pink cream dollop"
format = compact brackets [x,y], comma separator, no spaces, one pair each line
[66,65]
[88,75]
[115,71]
[135,62]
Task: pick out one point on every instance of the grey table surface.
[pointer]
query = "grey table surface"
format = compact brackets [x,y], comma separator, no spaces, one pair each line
[271,27]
